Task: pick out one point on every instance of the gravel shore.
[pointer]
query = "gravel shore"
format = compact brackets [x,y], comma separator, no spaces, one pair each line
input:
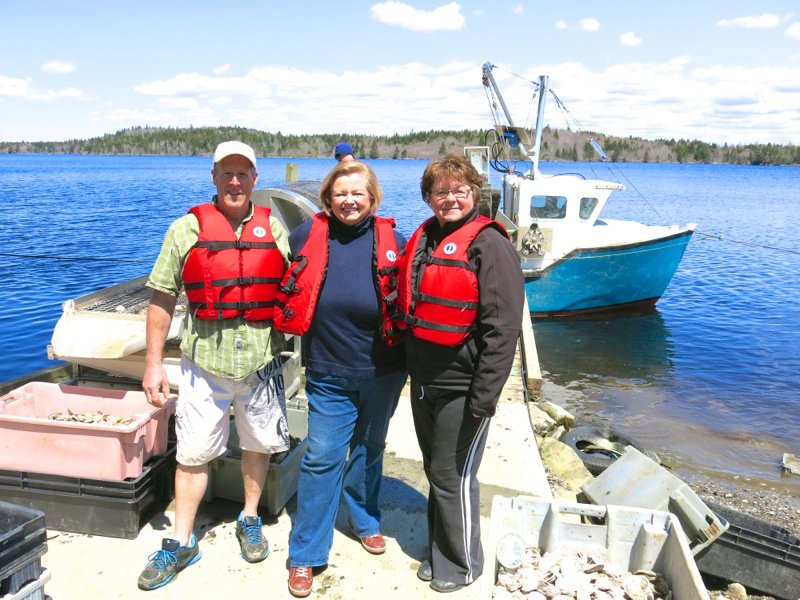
[759,501]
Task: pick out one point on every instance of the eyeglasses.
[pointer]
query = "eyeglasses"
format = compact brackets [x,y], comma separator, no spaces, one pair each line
[459,193]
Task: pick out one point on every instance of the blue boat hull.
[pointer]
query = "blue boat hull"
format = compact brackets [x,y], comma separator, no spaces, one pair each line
[603,279]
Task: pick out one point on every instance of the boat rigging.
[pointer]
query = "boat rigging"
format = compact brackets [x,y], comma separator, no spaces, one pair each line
[574,261]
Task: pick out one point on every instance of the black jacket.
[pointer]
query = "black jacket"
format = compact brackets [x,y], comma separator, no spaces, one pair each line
[480,366]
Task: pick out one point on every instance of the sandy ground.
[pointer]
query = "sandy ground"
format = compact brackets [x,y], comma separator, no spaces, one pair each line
[83,566]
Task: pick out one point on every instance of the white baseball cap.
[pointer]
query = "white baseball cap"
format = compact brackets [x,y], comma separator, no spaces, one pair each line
[226,149]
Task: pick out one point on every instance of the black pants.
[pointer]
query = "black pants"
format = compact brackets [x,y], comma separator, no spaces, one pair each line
[452,443]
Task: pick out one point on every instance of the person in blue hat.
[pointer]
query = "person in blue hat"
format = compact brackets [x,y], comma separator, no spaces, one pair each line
[343,152]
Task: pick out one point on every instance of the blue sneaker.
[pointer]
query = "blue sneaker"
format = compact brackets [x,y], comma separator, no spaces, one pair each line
[165,564]
[254,545]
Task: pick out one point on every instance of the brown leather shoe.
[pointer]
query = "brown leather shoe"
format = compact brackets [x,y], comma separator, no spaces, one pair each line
[374,544]
[300,581]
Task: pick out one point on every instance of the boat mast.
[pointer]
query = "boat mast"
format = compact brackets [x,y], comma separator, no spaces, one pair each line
[534,152]
[544,81]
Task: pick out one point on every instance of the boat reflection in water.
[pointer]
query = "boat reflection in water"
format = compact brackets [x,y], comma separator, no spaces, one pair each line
[611,372]
[624,373]
[615,349]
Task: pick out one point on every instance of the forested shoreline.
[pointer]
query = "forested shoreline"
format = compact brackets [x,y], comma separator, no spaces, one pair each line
[557,144]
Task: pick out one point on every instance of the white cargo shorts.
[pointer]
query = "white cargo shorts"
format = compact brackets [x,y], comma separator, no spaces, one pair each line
[202,412]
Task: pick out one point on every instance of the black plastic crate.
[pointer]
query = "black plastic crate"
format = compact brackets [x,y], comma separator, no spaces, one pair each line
[755,553]
[22,576]
[33,590]
[95,506]
[23,540]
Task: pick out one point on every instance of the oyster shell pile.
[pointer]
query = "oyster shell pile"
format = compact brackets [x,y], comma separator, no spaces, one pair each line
[565,574]
[97,417]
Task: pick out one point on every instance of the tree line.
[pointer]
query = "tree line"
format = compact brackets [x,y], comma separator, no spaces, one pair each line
[557,145]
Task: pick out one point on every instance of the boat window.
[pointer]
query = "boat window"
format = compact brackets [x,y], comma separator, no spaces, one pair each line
[548,207]
[587,207]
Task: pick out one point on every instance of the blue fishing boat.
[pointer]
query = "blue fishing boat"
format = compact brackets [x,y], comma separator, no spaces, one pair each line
[574,261]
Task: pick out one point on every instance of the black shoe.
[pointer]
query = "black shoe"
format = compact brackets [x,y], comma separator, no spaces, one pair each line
[165,564]
[440,585]
[425,571]
[253,544]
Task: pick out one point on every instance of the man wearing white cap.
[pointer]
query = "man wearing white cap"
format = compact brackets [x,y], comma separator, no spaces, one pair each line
[229,256]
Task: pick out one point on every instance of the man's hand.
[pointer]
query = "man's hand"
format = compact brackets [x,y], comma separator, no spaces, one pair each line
[159,315]
[155,384]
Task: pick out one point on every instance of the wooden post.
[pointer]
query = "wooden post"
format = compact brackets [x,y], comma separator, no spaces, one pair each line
[530,356]
[291,172]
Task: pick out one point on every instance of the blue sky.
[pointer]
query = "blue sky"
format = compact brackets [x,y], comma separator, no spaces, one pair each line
[724,71]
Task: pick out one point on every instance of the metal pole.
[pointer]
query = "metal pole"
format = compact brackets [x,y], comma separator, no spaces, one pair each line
[544,82]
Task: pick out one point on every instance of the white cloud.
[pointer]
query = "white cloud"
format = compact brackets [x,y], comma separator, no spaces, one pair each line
[185,104]
[671,99]
[629,38]
[296,101]
[22,88]
[66,93]
[51,95]
[518,9]
[447,17]
[590,24]
[561,24]
[191,84]
[13,87]
[765,21]
[794,31]
[221,69]
[127,117]
[58,66]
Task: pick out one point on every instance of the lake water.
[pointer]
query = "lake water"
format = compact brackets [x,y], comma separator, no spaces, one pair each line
[709,379]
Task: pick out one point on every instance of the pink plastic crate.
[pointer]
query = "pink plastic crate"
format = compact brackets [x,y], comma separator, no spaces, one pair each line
[31,442]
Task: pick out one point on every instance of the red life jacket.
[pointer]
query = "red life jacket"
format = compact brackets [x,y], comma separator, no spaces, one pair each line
[225,277]
[299,290]
[443,308]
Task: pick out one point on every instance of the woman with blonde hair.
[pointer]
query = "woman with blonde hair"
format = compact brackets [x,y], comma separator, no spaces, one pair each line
[339,294]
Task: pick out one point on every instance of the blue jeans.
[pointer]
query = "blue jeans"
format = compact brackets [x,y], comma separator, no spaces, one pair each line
[343,415]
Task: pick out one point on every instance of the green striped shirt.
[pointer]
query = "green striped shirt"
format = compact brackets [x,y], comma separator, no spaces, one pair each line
[232,348]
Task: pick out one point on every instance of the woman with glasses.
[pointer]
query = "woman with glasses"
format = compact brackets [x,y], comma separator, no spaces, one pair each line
[461,291]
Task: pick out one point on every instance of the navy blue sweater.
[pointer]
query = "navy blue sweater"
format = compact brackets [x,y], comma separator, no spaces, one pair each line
[344,338]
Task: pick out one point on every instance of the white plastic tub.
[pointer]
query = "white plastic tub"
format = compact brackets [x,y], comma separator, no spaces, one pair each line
[634,538]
